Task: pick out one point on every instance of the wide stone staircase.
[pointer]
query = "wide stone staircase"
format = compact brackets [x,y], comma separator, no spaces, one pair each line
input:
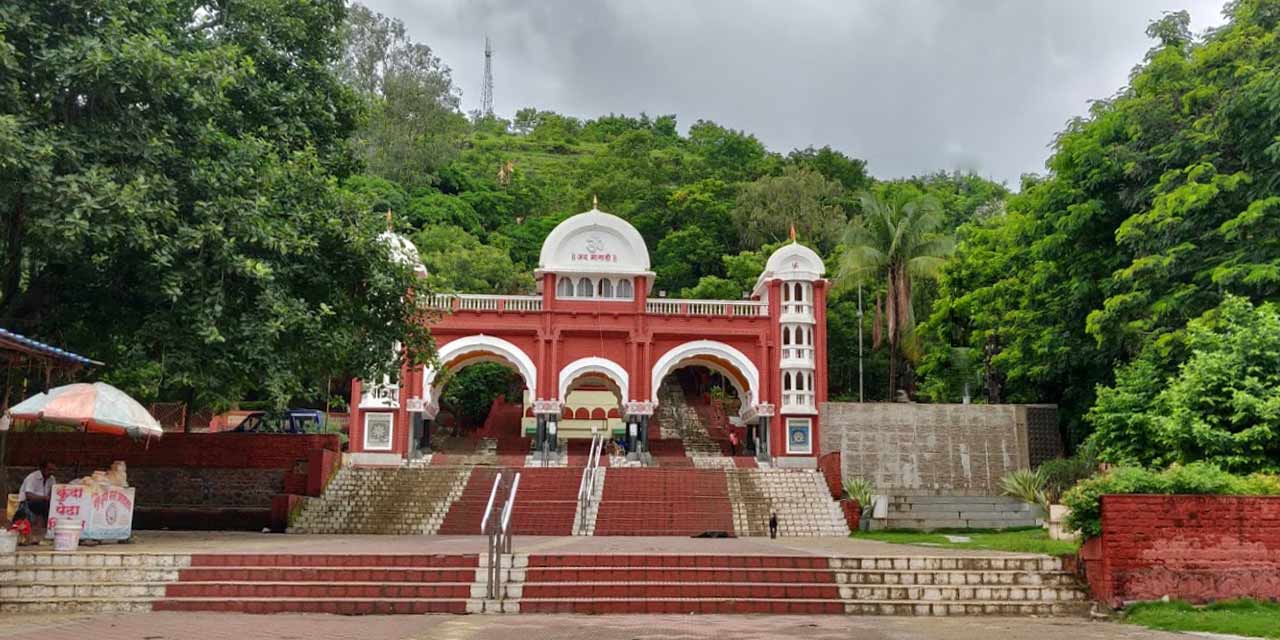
[800,499]
[664,502]
[681,421]
[85,582]
[353,584]
[737,584]
[928,511]
[387,501]
[323,583]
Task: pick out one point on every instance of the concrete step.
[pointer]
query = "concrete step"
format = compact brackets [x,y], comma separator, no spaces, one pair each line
[934,524]
[343,606]
[75,605]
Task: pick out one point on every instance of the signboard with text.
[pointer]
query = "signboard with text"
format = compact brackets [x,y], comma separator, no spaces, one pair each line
[105,512]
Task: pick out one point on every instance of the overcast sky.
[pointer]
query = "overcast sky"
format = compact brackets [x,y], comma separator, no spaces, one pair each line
[911,86]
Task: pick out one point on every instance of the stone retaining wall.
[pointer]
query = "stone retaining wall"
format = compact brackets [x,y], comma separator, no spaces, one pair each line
[1197,548]
[966,447]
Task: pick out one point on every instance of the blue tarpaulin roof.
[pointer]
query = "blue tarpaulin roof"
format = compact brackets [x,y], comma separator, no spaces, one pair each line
[41,348]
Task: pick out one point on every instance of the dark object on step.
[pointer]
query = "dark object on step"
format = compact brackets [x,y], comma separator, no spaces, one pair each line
[715,534]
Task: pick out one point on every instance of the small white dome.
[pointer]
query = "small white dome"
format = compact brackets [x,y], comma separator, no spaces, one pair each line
[403,251]
[594,242]
[793,262]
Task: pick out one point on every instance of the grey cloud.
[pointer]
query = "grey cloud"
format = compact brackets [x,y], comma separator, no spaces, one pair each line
[911,86]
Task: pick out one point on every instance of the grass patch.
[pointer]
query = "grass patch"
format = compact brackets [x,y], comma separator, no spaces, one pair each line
[1030,540]
[1239,617]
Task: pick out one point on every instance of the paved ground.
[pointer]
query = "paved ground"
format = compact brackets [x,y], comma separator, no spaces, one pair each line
[225,626]
[233,542]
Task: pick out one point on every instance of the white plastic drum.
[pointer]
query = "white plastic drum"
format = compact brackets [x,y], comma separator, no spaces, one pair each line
[66,535]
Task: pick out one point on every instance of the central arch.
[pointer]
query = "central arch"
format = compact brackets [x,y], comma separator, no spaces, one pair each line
[463,352]
[717,356]
[609,369]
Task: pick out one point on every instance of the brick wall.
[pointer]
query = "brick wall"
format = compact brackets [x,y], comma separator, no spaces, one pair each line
[212,450]
[829,465]
[928,446]
[189,481]
[1198,548]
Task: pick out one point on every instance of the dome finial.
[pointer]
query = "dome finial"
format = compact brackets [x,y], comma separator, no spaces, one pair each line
[793,232]
[595,202]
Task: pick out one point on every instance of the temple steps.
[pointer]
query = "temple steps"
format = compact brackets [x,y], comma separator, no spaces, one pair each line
[931,512]
[355,584]
[623,584]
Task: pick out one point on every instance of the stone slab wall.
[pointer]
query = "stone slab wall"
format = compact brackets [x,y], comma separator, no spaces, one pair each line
[1197,548]
[933,447]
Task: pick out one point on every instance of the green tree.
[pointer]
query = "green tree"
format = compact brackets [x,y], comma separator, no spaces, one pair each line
[1221,406]
[457,261]
[168,198]
[899,244]
[1157,202]
[685,256]
[768,208]
[414,125]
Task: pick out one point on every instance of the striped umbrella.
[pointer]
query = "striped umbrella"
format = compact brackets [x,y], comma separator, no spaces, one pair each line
[97,407]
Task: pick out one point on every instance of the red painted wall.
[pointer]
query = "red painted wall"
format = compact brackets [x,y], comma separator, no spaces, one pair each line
[1197,548]
[567,330]
[829,464]
[210,450]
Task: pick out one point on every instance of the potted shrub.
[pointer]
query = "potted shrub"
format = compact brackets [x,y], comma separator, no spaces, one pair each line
[858,504]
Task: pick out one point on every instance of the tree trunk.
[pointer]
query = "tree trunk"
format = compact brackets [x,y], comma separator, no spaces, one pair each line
[13,249]
[188,412]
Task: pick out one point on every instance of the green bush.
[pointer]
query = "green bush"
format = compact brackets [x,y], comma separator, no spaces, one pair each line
[860,490]
[1220,405]
[1026,485]
[1060,474]
[1198,478]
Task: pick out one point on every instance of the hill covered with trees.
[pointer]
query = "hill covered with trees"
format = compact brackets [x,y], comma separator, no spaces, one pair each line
[194,196]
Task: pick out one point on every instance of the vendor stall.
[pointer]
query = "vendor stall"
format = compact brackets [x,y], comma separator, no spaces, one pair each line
[101,502]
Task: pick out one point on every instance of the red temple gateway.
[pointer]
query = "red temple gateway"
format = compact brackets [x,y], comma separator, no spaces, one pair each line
[595,325]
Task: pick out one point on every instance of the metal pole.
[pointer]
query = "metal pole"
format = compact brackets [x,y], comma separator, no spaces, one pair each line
[860,343]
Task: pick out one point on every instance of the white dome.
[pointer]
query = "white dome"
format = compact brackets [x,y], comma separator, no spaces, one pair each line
[793,262]
[402,250]
[594,242]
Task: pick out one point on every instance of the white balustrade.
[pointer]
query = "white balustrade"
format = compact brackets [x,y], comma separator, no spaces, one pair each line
[734,308]
[478,302]
[797,310]
[795,353]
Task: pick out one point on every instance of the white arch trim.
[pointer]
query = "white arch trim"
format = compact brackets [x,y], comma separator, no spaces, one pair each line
[603,366]
[692,350]
[496,350]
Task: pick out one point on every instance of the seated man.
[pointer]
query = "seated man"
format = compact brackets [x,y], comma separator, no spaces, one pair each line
[35,492]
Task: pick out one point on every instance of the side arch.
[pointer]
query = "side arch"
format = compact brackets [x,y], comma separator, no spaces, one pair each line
[718,356]
[464,352]
[601,366]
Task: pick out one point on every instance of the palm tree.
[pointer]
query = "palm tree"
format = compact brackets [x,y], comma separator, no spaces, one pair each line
[899,243]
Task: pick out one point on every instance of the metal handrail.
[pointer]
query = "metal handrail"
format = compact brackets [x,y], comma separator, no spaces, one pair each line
[499,534]
[590,473]
[488,507]
[507,510]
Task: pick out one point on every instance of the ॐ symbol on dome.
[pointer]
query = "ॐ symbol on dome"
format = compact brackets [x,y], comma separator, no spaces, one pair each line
[594,245]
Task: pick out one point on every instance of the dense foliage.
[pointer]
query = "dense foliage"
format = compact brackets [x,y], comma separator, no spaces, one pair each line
[194,193]
[168,198]
[1157,204]
[1222,405]
[1085,499]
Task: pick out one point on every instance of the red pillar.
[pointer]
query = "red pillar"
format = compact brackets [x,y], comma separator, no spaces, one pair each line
[355,427]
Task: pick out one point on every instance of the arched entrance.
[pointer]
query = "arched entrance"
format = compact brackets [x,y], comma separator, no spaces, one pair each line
[735,366]
[455,357]
[592,394]
[709,377]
